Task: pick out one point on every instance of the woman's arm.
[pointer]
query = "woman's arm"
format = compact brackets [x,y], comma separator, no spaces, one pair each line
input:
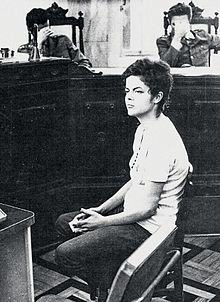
[141,210]
[76,55]
[116,200]
[168,52]
[113,202]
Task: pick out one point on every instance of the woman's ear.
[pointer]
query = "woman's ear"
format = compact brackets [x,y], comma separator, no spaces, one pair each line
[158,97]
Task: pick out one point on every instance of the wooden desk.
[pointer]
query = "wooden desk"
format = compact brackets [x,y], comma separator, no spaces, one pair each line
[16,271]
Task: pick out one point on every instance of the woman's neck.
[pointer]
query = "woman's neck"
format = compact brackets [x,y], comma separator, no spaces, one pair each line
[149,120]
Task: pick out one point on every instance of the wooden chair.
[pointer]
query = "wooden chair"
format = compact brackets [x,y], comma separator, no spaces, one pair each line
[172,261]
[139,274]
[175,273]
[73,22]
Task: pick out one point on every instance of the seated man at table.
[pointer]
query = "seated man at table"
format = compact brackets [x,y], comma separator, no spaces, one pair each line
[51,44]
[185,47]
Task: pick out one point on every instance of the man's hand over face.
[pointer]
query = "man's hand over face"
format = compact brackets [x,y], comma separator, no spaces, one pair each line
[180,30]
[43,34]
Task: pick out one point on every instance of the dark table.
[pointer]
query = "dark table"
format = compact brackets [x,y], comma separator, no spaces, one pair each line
[16,273]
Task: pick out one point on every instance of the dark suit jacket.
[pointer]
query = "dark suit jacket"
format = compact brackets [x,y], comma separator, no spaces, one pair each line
[61,46]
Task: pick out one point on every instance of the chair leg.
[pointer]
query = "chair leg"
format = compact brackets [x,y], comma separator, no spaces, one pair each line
[98,294]
[178,281]
[102,294]
[93,291]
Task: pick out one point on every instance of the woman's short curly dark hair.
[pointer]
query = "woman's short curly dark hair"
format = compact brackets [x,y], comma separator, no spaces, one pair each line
[156,75]
[36,16]
[180,9]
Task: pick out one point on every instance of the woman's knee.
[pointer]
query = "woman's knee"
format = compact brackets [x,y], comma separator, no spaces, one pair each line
[59,255]
[60,221]
[68,265]
[62,227]
[67,251]
[69,257]
[64,254]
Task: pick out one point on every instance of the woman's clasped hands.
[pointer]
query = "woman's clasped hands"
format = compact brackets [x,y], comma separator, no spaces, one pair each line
[87,220]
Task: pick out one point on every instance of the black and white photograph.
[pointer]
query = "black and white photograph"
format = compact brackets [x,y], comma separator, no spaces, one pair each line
[109,151]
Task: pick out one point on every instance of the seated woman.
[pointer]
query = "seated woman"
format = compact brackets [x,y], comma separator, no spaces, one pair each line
[185,47]
[53,45]
[158,170]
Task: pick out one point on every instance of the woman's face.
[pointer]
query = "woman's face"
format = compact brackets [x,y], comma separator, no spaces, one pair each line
[138,99]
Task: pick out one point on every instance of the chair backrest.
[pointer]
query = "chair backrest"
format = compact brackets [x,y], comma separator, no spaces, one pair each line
[56,20]
[208,21]
[138,272]
[184,210]
[74,22]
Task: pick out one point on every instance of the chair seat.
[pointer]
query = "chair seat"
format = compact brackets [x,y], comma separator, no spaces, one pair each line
[53,298]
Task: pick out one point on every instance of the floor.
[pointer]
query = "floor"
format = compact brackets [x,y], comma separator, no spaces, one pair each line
[201,274]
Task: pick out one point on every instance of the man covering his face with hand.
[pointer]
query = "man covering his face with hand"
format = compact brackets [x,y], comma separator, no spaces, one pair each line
[185,47]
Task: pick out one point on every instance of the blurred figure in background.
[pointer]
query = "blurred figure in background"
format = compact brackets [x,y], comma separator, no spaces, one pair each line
[51,44]
[185,47]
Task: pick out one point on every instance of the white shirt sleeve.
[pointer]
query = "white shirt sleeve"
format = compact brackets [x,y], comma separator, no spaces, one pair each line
[158,164]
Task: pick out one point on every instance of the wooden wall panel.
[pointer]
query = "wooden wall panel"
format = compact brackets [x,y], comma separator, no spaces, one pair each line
[67,139]
[196,113]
